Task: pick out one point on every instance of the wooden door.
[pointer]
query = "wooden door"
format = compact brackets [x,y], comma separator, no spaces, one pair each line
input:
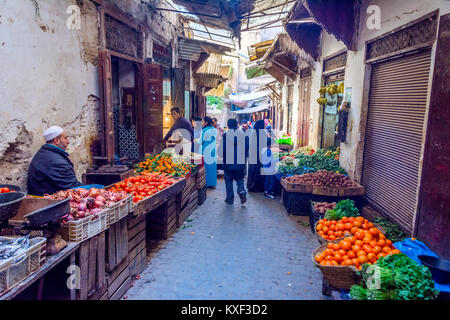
[303,112]
[106,109]
[152,99]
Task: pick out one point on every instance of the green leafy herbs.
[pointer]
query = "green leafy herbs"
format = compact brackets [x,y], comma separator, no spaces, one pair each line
[346,208]
[393,232]
[395,277]
[358,292]
[332,215]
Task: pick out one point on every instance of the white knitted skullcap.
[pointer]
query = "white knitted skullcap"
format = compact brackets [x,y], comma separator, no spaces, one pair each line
[52,133]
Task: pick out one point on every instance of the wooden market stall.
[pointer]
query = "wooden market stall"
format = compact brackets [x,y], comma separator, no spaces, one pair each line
[103,255]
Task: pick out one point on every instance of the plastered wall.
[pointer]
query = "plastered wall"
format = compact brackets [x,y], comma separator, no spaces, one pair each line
[49,76]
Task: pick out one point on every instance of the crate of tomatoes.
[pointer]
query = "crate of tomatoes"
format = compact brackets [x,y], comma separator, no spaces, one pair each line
[149,190]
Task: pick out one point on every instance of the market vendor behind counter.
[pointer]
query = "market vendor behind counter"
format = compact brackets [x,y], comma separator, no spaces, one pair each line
[51,169]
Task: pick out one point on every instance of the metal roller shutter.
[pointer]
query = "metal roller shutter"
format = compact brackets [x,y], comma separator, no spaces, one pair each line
[393,143]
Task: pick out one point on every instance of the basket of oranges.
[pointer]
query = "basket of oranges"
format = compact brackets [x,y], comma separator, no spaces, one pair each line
[340,260]
[331,230]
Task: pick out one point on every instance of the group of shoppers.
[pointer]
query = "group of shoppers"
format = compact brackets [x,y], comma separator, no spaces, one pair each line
[242,151]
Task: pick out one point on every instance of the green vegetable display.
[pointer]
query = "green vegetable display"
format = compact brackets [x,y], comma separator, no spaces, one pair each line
[346,208]
[332,215]
[393,232]
[285,140]
[300,163]
[395,277]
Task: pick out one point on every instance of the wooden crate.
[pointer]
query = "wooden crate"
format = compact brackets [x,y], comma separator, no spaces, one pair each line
[296,187]
[193,201]
[91,260]
[325,191]
[117,244]
[352,191]
[137,254]
[119,280]
[160,197]
[188,189]
[184,214]
[163,221]
[202,195]
[200,180]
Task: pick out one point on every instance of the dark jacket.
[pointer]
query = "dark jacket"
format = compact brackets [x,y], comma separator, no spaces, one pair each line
[181,123]
[239,149]
[50,171]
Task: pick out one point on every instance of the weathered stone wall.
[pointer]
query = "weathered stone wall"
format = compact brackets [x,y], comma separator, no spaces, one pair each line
[49,77]
[357,74]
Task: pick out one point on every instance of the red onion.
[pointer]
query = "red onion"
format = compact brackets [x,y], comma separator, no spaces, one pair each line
[81,207]
[70,218]
[93,192]
[96,210]
[100,198]
[99,204]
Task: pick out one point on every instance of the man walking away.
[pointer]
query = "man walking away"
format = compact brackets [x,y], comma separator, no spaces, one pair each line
[235,145]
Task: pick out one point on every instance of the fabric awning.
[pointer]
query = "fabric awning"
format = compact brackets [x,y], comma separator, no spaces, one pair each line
[249,96]
[254,109]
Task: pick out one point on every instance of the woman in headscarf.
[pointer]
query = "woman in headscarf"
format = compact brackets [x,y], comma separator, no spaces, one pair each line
[208,150]
[255,182]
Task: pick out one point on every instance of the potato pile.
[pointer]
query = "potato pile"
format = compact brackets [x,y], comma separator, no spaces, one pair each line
[322,207]
[323,178]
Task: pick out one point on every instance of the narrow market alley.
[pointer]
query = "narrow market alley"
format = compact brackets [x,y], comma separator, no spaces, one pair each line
[116,162]
[251,251]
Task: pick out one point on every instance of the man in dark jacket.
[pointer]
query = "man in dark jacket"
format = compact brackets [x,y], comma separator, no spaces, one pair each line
[182,130]
[51,169]
[234,150]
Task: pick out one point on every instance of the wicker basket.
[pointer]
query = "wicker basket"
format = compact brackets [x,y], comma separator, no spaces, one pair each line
[314,217]
[16,269]
[83,229]
[341,277]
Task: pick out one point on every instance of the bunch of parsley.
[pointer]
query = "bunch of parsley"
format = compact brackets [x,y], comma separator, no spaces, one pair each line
[401,278]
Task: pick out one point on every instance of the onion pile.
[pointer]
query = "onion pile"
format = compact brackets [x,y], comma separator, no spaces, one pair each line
[322,207]
[85,203]
[323,178]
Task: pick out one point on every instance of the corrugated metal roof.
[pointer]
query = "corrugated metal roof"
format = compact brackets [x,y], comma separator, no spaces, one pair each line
[190,49]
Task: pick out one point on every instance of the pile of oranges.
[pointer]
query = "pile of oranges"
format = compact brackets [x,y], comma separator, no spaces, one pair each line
[337,229]
[365,246]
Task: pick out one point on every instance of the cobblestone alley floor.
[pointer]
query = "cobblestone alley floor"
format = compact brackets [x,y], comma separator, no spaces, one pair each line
[228,252]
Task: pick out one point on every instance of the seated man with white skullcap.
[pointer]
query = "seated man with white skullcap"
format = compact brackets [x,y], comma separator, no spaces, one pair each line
[51,169]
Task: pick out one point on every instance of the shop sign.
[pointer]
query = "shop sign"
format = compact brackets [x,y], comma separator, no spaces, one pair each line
[162,54]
